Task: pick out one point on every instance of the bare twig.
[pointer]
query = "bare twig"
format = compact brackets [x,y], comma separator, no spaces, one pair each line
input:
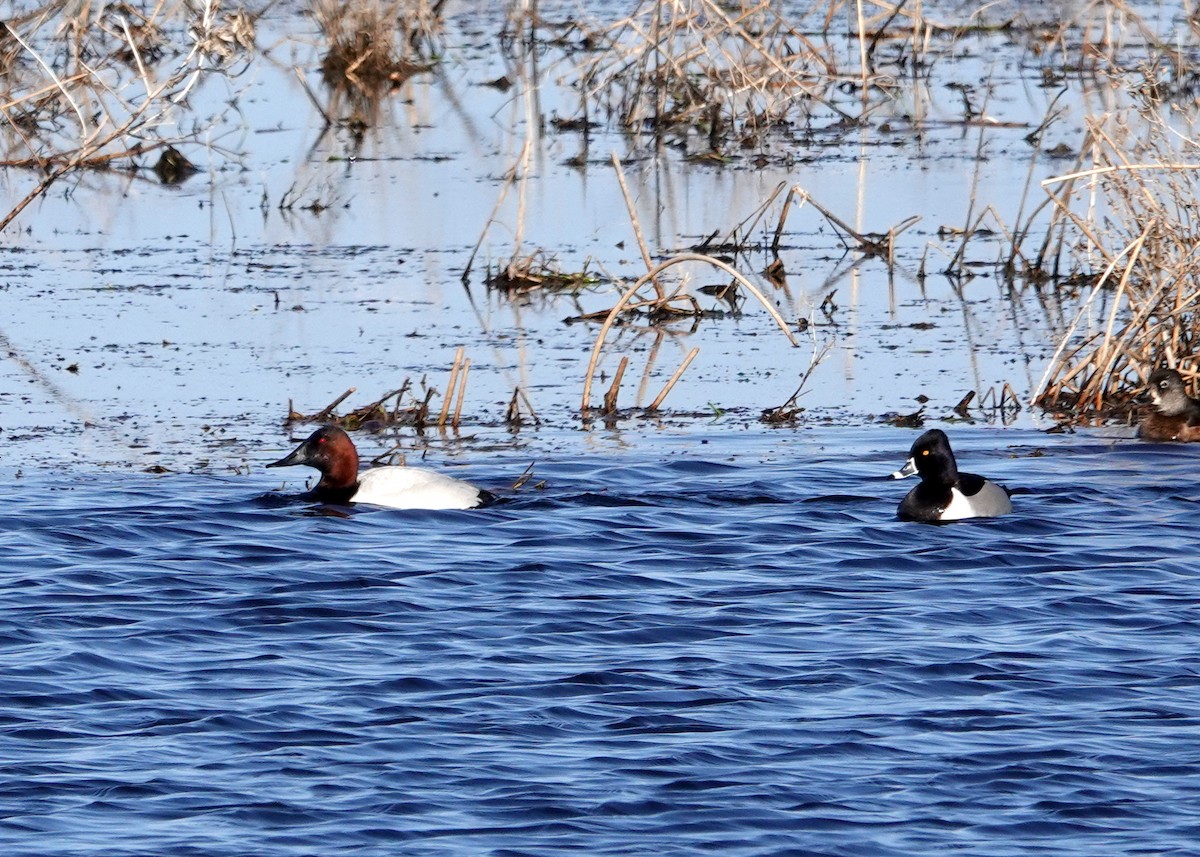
[450,385]
[687,361]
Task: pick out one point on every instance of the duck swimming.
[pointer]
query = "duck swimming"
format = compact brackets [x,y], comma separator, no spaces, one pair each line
[1176,415]
[945,493]
[330,450]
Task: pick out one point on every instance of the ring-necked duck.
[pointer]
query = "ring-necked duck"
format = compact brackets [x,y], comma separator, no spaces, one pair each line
[1176,416]
[945,494]
[330,450]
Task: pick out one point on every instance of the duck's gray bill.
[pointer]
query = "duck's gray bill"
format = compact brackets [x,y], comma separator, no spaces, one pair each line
[909,468]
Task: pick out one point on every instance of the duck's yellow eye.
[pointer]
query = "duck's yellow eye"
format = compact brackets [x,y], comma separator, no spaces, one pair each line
[924,452]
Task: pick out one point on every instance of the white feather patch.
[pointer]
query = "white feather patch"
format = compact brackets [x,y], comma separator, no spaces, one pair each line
[992,500]
[414,488]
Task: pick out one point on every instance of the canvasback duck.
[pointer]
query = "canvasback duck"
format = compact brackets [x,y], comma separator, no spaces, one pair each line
[1176,416]
[945,494]
[330,450]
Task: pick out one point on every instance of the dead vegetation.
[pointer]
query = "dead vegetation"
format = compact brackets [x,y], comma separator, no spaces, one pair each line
[407,405]
[99,89]
[730,76]
[87,89]
[400,407]
[410,405]
[727,72]
[664,303]
[538,271]
[371,48]
[1124,229]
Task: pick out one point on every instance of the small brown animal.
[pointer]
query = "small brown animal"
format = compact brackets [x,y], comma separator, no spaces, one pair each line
[1176,416]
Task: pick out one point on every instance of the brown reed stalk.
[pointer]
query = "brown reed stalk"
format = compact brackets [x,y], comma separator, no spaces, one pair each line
[631,209]
[512,414]
[327,411]
[462,392]
[455,368]
[610,398]
[687,361]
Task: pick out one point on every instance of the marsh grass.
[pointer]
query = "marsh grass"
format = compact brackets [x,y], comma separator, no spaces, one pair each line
[730,75]
[407,405]
[1125,226]
[723,70]
[371,47]
[538,271]
[87,89]
[400,407]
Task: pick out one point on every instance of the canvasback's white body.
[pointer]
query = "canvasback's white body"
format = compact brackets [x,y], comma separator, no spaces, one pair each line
[414,488]
[330,450]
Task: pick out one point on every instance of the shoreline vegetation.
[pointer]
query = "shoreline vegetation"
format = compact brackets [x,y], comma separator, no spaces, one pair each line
[1107,243]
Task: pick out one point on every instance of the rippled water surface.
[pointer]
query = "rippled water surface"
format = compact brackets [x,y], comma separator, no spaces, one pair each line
[708,642]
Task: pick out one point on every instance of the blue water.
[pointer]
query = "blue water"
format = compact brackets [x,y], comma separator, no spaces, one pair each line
[720,642]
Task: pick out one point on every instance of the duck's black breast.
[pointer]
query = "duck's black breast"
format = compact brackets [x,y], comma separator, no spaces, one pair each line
[925,502]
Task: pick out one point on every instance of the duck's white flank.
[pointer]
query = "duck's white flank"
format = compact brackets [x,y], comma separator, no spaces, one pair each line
[414,488]
[992,500]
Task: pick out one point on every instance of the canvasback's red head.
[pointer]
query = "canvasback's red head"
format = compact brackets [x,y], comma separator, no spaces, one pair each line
[330,450]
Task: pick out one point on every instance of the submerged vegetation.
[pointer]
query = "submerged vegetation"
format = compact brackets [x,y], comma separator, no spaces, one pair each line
[1103,235]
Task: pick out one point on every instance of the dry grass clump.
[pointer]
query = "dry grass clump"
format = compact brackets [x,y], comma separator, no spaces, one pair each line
[705,65]
[373,46]
[395,408]
[535,271]
[90,88]
[402,406]
[1130,224]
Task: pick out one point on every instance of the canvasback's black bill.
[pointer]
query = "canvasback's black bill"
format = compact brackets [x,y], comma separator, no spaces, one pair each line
[297,456]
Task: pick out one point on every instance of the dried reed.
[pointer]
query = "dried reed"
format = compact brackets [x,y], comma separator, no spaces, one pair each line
[103,95]
[674,379]
[378,413]
[372,47]
[415,414]
[1132,217]
[610,398]
[707,65]
[512,414]
[790,409]
[870,244]
[460,365]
